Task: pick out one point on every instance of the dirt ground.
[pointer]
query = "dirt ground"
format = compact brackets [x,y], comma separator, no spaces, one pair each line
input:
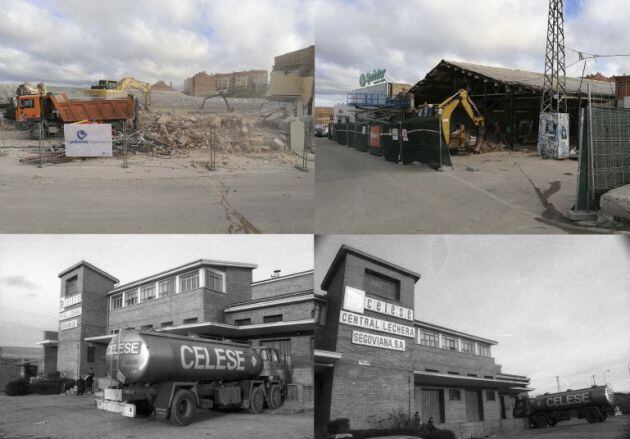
[248,193]
[615,427]
[496,192]
[70,417]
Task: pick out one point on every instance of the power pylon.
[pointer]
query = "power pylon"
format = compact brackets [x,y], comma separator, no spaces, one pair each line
[554,86]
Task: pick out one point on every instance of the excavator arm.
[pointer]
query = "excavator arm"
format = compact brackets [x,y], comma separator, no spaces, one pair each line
[130,82]
[449,105]
[221,93]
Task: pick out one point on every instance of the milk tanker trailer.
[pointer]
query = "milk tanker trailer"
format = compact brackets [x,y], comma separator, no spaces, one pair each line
[594,403]
[175,375]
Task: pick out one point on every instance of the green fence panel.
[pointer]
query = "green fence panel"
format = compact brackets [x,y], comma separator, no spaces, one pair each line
[361,137]
[341,133]
[422,143]
[385,138]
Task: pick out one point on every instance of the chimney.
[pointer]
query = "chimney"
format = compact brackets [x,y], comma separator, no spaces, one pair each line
[276,274]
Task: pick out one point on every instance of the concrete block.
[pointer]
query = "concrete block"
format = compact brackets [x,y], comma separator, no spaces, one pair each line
[615,203]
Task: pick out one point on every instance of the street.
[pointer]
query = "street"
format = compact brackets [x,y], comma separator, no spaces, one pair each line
[615,427]
[497,192]
[60,416]
[248,193]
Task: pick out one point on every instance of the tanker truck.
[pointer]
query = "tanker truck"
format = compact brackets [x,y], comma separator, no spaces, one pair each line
[594,404]
[173,376]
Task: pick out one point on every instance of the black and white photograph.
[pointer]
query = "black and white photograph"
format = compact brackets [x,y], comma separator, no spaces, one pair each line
[156,336]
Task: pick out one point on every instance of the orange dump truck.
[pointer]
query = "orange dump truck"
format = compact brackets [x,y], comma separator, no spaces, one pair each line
[55,110]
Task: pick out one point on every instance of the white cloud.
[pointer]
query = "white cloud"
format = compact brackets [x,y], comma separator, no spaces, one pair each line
[410,38]
[70,41]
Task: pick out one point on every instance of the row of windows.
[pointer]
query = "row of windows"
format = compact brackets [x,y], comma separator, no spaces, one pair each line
[266,319]
[432,339]
[162,325]
[187,282]
[456,395]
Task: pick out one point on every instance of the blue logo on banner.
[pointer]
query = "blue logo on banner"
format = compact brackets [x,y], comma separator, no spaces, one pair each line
[81,134]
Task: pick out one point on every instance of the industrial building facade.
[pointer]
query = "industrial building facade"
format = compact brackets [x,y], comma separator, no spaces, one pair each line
[203,84]
[373,357]
[205,298]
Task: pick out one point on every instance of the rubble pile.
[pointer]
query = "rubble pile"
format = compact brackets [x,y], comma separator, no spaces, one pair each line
[226,132]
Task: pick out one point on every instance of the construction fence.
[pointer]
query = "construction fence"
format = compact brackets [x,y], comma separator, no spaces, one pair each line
[604,160]
[412,140]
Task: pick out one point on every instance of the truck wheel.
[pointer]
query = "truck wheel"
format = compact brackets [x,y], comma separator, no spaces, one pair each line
[257,401]
[275,397]
[540,421]
[592,415]
[182,408]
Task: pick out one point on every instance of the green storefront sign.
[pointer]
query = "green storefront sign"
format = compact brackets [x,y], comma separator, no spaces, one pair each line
[376,77]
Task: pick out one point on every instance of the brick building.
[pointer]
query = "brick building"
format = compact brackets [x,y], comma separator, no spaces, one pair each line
[162,86]
[293,79]
[373,357]
[203,84]
[205,298]
[200,84]
[324,115]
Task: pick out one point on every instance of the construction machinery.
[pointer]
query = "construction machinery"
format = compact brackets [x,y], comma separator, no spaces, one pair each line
[107,89]
[53,111]
[173,376]
[445,113]
[594,404]
[220,93]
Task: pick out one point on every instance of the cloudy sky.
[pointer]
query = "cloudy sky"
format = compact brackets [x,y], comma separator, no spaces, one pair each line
[29,265]
[556,305]
[408,38]
[80,41]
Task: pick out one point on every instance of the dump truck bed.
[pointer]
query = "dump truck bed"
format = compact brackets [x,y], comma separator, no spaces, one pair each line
[96,110]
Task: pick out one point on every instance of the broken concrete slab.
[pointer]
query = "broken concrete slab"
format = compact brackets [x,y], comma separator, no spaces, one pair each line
[615,204]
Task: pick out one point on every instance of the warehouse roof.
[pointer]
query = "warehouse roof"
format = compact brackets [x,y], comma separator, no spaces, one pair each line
[513,77]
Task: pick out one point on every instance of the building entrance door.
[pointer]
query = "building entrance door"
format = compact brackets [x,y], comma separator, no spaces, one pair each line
[473,406]
[431,404]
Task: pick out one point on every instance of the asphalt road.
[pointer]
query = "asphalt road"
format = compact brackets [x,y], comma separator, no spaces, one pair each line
[247,194]
[70,417]
[615,427]
[498,192]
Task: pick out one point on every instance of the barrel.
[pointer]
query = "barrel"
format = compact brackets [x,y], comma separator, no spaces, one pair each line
[574,399]
[149,357]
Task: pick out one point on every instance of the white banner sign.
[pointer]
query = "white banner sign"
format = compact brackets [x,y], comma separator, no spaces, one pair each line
[366,322]
[88,140]
[70,313]
[353,300]
[378,341]
[68,325]
[69,301]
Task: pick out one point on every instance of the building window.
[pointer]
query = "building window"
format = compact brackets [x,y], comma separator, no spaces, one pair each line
[189,282]
[381,285]
[242,322]
[484,350]
[454,395]
[319,314]
[190,320]
[272,319]
[91,350]
[115,331]
[72,286]
[146,327]
[490,395]
[131,297]
[449,343]
[117,301]
[215,280]
[467,346]
[147,292]
[166,287]
[166,324]
[429,339]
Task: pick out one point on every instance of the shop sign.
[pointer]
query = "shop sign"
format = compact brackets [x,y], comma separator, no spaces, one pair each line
[69,301]
[355,300]
[378,341]
[70,313]
[68,325]
[366,322]
[376,77]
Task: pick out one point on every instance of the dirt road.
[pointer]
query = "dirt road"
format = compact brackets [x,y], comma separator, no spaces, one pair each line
[57,416]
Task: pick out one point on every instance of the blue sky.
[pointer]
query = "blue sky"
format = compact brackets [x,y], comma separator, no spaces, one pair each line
[77,42]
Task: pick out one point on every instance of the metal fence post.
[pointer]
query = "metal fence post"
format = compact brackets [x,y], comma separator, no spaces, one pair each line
[40,143]
[125,164]
[400,145]
[3,145]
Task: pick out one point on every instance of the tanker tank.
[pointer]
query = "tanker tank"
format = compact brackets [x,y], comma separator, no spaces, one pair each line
[145,357]
[573,399]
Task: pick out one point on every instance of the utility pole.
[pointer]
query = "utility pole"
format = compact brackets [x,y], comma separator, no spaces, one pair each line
[558,382]
[553,134]
[594,383]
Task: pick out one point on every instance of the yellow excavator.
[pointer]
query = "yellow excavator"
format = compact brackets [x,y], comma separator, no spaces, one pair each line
[107,88]
[445,111]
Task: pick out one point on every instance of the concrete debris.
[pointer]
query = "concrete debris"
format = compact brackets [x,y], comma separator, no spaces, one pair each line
[615,204]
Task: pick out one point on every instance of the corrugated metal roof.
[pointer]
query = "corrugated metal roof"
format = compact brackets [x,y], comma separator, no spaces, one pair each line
[532,80]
